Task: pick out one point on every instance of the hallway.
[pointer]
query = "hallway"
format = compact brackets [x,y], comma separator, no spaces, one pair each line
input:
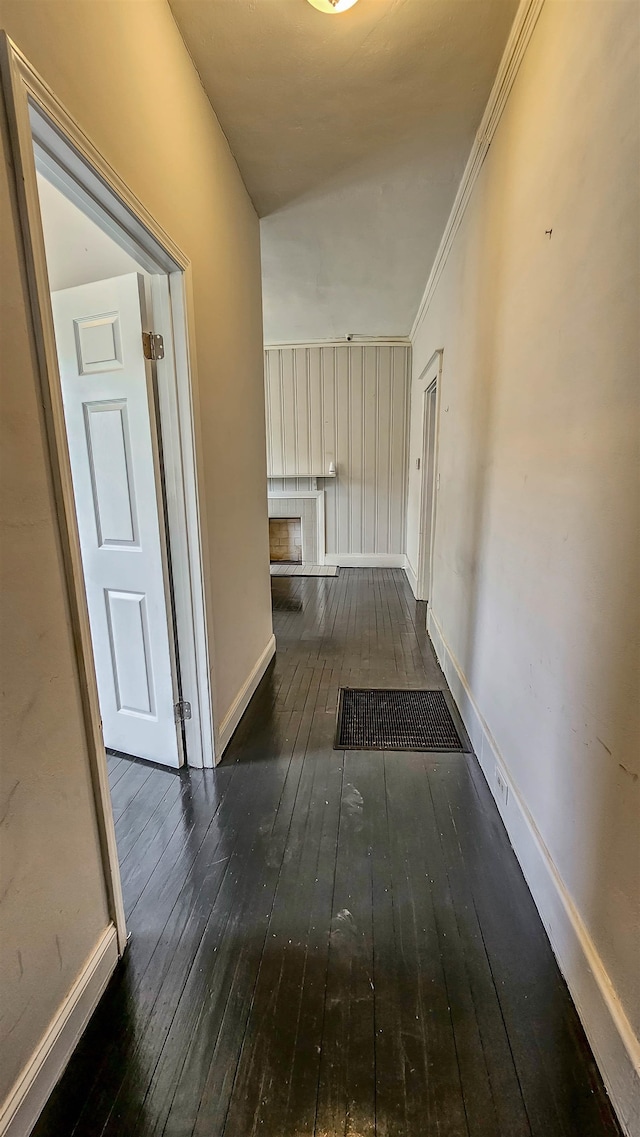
[324,942]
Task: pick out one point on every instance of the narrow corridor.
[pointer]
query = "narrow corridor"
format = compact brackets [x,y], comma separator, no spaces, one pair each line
[324,942]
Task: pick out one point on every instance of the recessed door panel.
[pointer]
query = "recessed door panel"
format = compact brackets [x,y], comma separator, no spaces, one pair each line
[98,343]
[110,465]
[129,639]
[109,415]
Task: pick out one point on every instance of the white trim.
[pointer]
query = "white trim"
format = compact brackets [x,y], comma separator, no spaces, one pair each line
[425,556]
[97,189]
[366,560]
[29,1095]
[184,594]
[25,90]
[616,1049]
[130,214]
[243,698]
[181,495]
[411,577]
[20,84]
[357,341]
[431,376]
[523,25]
[303,477]
[68,171]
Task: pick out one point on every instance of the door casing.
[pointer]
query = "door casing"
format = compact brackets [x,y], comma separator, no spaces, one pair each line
[429,389]
[36,118]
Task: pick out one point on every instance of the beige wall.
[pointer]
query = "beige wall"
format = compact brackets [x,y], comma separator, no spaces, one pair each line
[536,558]
[347,405]
[53,904]
[122,70]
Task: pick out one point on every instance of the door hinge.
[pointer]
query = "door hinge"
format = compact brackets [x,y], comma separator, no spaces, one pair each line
[152,345]
[182,710]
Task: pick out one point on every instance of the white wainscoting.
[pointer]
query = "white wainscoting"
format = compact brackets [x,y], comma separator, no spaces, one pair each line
[347,405]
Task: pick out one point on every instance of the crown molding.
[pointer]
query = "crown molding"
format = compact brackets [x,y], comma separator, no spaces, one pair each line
[521,32]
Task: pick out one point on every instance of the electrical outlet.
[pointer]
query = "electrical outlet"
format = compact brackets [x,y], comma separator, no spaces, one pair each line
[502,786]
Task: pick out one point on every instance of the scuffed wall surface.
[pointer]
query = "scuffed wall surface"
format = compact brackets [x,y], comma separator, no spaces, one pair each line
[53,905]
[122,71]
[537,556]
[145,110]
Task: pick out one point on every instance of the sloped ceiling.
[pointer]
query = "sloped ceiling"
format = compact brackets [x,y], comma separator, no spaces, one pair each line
[351,133]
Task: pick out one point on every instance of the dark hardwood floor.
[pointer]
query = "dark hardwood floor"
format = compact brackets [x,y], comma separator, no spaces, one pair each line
[323,942]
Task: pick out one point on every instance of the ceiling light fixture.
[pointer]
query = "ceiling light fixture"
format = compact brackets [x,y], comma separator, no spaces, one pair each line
[332,7]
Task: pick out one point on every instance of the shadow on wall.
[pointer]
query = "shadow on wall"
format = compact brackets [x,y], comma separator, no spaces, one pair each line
[537,594]
[482,321]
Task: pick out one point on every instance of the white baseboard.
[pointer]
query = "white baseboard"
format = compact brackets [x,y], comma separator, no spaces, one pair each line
[44,1069]
[411,577]
[243,698]
[615,1047]
[365,560]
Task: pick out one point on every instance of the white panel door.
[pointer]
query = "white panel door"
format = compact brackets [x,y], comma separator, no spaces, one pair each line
[107,412]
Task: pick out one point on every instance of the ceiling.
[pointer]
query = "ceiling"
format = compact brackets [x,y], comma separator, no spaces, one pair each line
[351,132]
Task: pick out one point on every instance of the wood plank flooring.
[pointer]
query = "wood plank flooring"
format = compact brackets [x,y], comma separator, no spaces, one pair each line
[324,942]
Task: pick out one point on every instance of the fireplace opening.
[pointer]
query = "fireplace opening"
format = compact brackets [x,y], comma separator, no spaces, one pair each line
[285,540]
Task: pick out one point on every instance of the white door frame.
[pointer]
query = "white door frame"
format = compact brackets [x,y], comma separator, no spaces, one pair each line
[36,117]
[430,378]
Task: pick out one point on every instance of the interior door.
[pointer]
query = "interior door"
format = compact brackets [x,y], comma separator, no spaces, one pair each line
[114,466]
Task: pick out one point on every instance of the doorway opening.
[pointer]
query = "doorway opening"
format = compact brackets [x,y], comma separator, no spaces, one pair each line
[428,489]
[100,300]
[116,327]
[47,141]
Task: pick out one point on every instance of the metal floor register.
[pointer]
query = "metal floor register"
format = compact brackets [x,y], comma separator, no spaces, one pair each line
[396,720]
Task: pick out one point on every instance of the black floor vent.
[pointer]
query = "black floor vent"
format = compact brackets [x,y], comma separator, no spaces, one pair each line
[397,720]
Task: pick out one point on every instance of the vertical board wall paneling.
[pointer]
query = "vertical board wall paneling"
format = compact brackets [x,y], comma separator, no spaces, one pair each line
[348,405]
